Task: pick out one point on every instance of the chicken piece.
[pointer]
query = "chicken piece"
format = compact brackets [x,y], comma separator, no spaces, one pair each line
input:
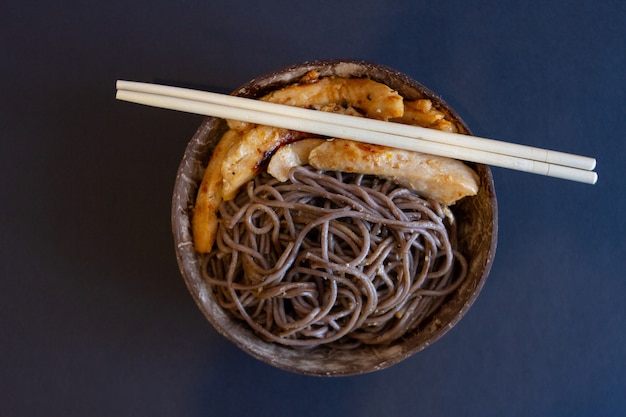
[239,125]
[209,198]
[246,147]
[374,99]
[291,155]
[443,179]
[422,113]
[246,158]
[336,108]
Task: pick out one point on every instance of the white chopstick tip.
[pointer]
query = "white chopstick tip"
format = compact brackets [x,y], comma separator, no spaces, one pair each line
[592,165]
[124,95]
[589,177]
[125,84]
[566,173]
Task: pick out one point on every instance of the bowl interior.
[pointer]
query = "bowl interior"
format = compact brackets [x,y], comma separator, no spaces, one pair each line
[477,231]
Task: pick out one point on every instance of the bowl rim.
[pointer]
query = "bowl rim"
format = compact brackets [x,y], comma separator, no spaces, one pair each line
[185,188]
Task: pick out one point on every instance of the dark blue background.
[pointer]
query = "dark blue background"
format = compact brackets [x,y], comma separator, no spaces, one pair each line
[95,319]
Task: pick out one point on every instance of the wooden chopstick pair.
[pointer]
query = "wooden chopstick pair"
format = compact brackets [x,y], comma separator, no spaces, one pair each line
[468,148]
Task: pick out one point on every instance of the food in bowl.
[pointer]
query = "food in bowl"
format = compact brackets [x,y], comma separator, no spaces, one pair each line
[314,245]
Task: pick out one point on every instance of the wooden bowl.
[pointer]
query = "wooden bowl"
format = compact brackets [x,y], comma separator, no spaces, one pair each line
[476,217]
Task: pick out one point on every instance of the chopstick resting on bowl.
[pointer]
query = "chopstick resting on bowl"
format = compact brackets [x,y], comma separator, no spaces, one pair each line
[453,145]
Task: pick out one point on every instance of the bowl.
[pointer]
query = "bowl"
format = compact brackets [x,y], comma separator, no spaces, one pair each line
[476,217]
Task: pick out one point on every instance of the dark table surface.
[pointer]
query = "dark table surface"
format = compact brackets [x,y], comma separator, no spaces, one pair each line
[95,319]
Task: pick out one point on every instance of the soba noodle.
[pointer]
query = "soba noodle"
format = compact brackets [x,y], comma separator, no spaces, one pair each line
[332,258]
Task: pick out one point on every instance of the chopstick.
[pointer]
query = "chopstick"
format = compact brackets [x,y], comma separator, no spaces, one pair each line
[469,148]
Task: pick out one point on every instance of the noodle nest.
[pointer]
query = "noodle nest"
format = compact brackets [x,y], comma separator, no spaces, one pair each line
[332,258]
